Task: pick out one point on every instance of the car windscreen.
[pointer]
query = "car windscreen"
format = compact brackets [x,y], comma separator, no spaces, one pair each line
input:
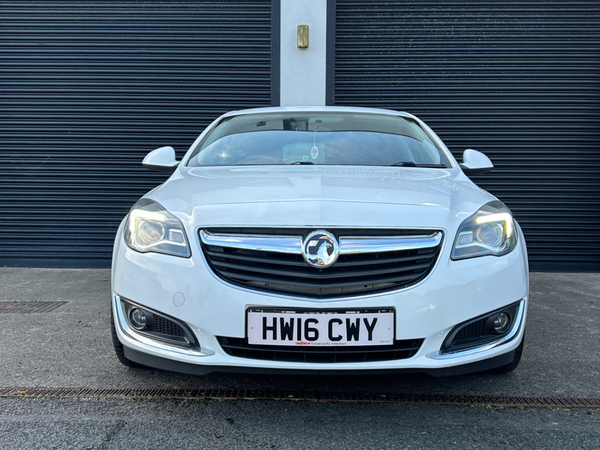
[328,138]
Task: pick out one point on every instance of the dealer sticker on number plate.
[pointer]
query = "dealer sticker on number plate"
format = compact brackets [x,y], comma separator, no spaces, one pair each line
[320,328]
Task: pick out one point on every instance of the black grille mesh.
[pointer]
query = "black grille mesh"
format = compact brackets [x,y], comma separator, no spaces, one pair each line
[400,350]
[165,326]
[472,331]
[350,275]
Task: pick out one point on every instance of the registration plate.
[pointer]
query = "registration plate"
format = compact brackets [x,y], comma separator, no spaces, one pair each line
[267,326]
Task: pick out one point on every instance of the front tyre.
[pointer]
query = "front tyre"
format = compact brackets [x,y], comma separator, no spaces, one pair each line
[119,350]
[514,363]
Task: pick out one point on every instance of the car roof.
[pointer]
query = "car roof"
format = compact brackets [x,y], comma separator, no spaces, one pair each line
[292,109]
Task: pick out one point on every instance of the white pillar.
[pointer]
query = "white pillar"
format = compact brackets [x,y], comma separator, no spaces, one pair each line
[302,71]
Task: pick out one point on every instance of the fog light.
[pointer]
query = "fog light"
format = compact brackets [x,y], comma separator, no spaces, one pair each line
[139,318]
[501,322]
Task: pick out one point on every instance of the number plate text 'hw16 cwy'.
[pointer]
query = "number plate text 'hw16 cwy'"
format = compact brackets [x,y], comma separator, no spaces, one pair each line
[320,328]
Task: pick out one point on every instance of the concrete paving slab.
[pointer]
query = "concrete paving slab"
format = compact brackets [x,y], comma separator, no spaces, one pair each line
[71,346]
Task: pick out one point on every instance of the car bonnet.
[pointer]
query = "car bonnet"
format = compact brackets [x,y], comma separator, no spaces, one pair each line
[303,195]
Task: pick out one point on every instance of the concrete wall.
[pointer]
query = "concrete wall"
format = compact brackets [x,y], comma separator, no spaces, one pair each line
[302,71]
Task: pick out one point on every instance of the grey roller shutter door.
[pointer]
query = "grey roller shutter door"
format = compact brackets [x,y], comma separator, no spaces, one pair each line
[88,88]
[519,81]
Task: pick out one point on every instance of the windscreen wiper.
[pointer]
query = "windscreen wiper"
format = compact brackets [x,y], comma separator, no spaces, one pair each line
[302,162]
[413,164]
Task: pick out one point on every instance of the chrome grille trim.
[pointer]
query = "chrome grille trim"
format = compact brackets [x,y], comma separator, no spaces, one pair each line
[352,245]
[257,242]
[349,245]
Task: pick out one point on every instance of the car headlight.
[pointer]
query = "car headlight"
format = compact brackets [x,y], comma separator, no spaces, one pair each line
[150,228]
[490,231]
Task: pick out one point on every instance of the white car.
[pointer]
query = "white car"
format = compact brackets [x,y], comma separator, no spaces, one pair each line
[319,240]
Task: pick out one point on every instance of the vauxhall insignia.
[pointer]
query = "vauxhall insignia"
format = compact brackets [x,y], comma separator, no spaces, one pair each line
[320,249]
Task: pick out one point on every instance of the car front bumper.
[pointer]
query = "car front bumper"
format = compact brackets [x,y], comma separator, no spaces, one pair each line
[186,289]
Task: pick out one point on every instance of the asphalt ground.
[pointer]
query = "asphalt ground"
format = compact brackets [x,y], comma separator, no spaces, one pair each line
[71,347]
[63,424]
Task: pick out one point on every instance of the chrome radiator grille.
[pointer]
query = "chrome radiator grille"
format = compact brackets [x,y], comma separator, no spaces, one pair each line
[370,261]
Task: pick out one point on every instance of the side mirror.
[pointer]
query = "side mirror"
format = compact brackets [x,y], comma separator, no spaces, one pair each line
[162,159]
[475,163]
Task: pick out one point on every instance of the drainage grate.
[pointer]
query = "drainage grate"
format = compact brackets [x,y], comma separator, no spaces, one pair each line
[252,394]
[29,307]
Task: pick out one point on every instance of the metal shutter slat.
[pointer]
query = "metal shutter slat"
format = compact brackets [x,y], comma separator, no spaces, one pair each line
[88,88]
[519,81]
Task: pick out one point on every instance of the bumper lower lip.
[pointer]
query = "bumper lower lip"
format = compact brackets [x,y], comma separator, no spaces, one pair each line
[130,332]
[501,341]
[196,369]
